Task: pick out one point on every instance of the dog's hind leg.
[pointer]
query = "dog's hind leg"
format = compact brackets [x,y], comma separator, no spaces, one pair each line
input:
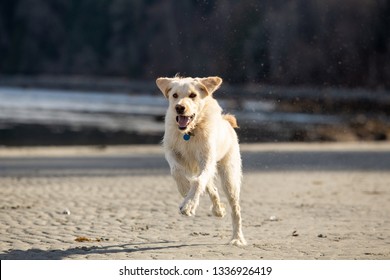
[218,207]
[230,172]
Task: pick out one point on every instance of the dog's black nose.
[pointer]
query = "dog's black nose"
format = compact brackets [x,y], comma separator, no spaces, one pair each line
[180,109]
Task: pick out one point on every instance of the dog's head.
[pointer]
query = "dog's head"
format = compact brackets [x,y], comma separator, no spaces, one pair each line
[187,97]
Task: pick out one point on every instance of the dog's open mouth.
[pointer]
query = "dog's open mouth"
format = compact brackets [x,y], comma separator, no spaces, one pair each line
[184,121]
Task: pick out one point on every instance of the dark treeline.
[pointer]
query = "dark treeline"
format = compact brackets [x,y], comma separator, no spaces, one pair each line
[296,42]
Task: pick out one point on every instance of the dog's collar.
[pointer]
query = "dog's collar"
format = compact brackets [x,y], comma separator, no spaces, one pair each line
[187,136]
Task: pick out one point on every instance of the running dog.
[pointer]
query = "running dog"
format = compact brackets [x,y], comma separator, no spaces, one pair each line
[200,142]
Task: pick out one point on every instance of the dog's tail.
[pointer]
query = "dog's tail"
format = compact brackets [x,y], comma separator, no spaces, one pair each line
[231,119]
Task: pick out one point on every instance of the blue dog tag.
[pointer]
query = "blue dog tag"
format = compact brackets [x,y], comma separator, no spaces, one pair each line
[186,137]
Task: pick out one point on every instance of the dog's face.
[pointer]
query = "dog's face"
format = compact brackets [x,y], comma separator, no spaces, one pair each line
[187,97]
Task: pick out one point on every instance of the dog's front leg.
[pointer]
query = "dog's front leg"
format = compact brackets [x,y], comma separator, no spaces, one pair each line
[178,172]
[186,186]
[207,165]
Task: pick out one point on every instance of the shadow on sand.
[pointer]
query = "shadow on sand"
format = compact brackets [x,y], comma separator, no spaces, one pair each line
[88,249]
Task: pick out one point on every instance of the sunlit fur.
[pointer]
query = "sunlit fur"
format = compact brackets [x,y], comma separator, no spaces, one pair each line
[212,149]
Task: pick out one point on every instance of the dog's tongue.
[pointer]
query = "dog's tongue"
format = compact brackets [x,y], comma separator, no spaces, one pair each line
[183,121]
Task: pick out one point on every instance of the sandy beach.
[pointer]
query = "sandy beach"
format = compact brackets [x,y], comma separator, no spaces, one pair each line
[299,201]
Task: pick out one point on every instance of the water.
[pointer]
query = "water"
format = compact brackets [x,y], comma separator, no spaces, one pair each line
[74,108]
[44,106]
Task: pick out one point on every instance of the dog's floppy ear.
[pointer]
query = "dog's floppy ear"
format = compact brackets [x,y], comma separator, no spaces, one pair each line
[163,85]
[211,83]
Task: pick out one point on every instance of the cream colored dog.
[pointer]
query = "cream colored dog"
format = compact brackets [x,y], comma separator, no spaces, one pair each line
[199,142]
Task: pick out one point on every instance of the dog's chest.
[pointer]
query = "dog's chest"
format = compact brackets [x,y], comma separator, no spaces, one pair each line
[188,153]
[187,150]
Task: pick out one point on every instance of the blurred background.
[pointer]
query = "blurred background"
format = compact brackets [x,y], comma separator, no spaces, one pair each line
[82,72]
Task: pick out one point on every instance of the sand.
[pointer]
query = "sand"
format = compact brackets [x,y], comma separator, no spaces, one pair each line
[299,201]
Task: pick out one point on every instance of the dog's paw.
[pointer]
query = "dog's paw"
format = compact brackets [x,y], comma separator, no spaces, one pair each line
[188,207]
[240,242]
[219,210]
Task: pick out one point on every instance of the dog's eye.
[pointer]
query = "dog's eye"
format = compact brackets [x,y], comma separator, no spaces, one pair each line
[175,95]
[192,95]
